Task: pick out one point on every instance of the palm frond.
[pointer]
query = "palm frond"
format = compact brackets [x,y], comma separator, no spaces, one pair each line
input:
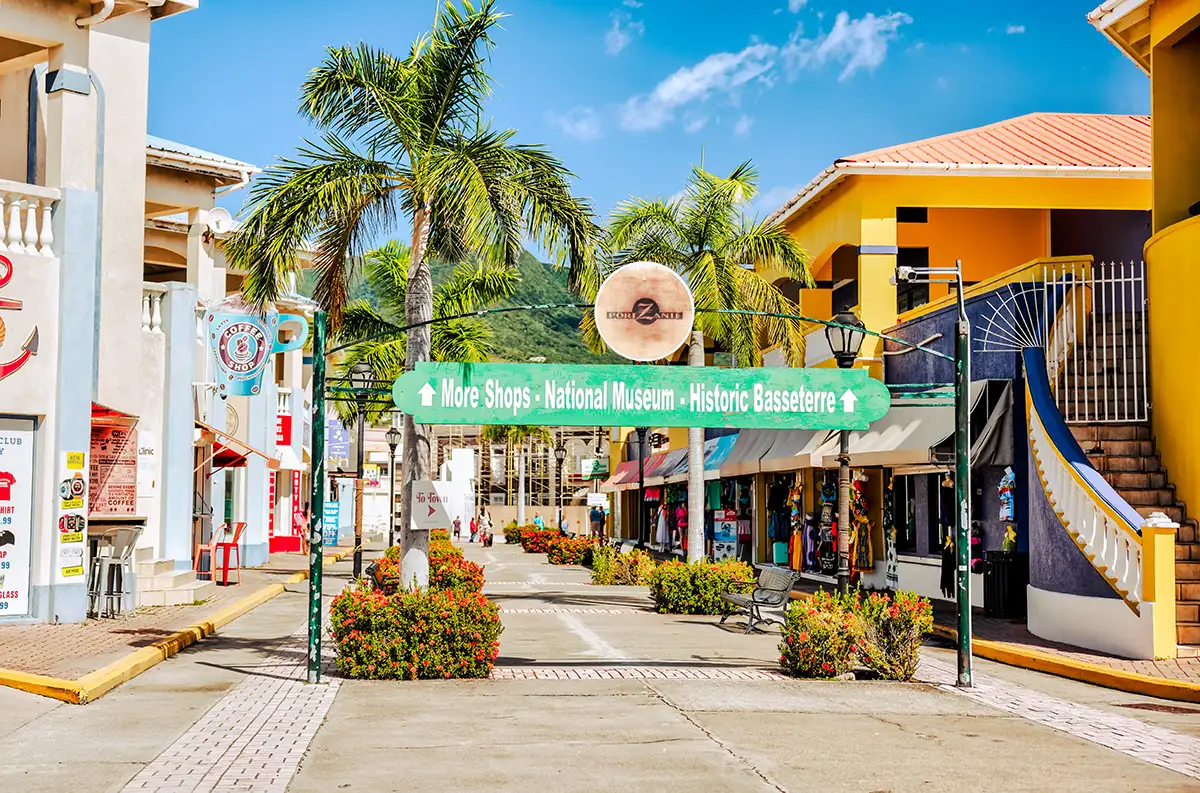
[461,341]
[472,287]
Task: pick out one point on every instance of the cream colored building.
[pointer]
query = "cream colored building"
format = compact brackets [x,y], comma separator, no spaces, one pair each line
[110,249]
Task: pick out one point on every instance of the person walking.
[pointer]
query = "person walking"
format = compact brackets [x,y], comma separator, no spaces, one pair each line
[485,522]
[458,527]
[474,531]
[473,526]
[597,518]
[302,524]
[537,520]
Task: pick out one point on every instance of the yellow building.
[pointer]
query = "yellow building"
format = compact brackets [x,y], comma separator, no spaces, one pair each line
[1163,38]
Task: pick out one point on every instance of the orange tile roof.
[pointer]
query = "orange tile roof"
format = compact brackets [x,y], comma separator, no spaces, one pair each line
[1050,143]
[1038,139]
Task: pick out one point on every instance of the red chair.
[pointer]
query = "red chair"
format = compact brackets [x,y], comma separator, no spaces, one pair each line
[222,540]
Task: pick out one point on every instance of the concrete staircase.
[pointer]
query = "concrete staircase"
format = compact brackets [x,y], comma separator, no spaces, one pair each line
[1126,456]
[160,584]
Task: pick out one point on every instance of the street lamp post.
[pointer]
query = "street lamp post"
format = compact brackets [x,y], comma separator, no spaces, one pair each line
[641,503]
[393,440]
[360,380]
[845,340]
[560,455]
[962,455]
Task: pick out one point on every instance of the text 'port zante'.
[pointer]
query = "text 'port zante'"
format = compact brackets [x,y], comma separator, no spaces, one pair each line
[562,395]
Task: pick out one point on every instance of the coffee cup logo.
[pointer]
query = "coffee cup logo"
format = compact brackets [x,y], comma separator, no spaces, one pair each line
[243,341]
[644,311]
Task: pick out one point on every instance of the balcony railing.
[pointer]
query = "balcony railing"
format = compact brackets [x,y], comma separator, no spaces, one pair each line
[152,296]
[26,213]
[284,406]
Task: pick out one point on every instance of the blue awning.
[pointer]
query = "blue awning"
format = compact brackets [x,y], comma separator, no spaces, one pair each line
[715,452]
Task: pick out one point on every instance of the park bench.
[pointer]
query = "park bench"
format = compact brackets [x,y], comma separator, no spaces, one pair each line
[772,591]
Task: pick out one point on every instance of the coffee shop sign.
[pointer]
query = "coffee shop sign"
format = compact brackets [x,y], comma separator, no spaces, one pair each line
[242,341]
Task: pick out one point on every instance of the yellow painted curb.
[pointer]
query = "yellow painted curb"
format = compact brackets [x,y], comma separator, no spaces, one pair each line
[1070,668]
[96,684]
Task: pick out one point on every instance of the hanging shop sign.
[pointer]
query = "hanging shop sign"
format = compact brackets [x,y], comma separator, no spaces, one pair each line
[618,396]
[112,489]
[30,347]
[430,509]
[337,445]
[283,430]
[242,341]
[593,468]
[370,475]
[644,311]
[16,514]
[330,518]
[72,518]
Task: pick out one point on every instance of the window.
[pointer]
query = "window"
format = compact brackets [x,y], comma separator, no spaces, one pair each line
[904,513]
[912,215]
[910,295]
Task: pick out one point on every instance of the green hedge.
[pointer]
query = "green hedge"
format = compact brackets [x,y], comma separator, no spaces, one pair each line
[612,568]
[828,635]
[679,588]
[535,540]
[570,550]
[448,570]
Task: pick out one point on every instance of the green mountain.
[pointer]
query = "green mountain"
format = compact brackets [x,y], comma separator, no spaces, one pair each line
[552,334]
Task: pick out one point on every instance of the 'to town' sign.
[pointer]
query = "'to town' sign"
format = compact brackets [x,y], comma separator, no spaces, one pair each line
[644,311]
[30,347]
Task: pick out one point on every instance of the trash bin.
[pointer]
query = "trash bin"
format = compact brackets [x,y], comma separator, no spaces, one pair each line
[1005,577]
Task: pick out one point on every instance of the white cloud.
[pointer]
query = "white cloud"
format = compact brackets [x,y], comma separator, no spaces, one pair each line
[695,125]
[771,199]
[742,127]
[622,33]
[1014,30]
[795,5]
[858,43]
[632,4]
[721,72]
[581,123]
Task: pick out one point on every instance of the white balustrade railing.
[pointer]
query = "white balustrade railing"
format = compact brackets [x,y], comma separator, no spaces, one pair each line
[1115,550]
[26,218]
[284,408]
[152,297]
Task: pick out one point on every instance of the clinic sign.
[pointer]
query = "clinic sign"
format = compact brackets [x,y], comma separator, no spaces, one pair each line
[660,396]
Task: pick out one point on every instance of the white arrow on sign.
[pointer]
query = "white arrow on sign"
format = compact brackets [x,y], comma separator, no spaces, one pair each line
[848,400]
[427,393]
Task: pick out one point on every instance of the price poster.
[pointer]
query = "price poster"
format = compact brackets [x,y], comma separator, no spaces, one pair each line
[16,514]
[72,500]
[114,466]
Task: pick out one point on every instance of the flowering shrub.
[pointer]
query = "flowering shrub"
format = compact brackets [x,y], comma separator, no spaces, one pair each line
[439,534]
[447,569]
[512,533]
[821,637]
[609,567]
[413,635]
[569,550]
[895,633]
[534,540]
[679,588]
[827,635]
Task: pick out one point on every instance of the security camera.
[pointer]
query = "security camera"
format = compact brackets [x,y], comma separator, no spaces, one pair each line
[904,273]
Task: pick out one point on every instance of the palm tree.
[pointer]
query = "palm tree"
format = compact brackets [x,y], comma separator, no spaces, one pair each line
[403,137]
[378,322]
[515,437]
[706,238]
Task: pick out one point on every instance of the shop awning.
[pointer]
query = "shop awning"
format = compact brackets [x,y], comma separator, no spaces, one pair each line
[906,436]
[228,451]
[746,454]
[716,450]
[650,466]
[288,461]
[793,450]
[674,459]
[623,471]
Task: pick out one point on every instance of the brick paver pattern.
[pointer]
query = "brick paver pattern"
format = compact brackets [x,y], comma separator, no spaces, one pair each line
[254,737]
[634,673]
[73,650]
[1156,745]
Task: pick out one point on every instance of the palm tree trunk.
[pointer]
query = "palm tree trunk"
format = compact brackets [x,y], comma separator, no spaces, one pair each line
[418,307]
[521,484]
[695,530]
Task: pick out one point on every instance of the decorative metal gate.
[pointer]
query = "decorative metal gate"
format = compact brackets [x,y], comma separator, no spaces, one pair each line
[1094,330]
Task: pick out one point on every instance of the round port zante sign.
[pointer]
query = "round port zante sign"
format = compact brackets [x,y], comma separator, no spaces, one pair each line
[644,311]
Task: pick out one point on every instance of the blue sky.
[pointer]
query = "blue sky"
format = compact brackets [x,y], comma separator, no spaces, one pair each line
[629,92]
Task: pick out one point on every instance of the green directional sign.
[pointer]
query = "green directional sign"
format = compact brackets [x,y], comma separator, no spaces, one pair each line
[658,396]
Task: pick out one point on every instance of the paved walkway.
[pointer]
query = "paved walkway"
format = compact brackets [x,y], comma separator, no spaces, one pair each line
[592,692]
[71,651]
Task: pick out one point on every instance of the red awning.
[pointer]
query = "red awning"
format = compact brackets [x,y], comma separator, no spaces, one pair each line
[228,451]
[227,457]
[103,416]
[652,464]
[624,470]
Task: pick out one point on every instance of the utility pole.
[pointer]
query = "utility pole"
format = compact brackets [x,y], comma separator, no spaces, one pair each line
[695,498]
[962,480]
[843,496]
[316,534]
